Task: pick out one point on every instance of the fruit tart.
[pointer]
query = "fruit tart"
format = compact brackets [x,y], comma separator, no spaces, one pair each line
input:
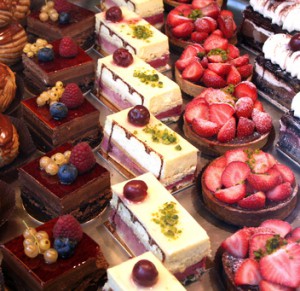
[263,258]
[217,121]
[170,4]
[216,64]
[244,187]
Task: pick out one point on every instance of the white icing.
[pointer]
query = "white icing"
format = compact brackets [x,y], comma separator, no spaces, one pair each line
[295,106]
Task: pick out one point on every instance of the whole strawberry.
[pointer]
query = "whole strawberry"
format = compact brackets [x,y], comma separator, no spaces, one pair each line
[68,48]
[62,6]
[82,157]
[72,96]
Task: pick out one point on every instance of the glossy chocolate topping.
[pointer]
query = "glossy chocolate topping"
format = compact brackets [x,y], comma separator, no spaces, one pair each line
[6,130]
[7,33]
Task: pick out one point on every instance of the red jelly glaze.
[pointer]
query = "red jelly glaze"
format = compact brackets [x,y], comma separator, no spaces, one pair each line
[86,249]
[52,182]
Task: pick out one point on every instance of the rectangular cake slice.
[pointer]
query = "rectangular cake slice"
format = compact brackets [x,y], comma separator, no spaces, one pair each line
[151,148]
[124,87]
[159,224]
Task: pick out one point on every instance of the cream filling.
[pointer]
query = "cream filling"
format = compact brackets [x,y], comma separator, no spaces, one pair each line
[295,106]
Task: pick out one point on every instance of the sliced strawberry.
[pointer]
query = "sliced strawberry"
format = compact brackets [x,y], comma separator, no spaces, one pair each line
[233,51]
[272,161]
[236,155]
[282,266]
[221,69]
[258,105]
[181,64]
[183,30]
[244,107]
[286,173]
[198,37]
[212,177]
[227,25]
[198,4]
[278,226]
[212,23]
[232,194]
[233,76]
[211,79]
[260,162]
[219,33]
[262,120]
[179,16]
[216,58]
[193,72]
[215,42]
[245,89]
[254,201]
[240,61]
[280,192]
[189,52]
[204,62]
[203,25]
[295,233]
[245,71]
[200,49]
[248,273]
[220,113]
[245,127]
[268,286]
[220,162]
[227,131]
[258,243]
[212,10]
[225,12]
[197,108]
[204,128]
[235,173]
[217,96]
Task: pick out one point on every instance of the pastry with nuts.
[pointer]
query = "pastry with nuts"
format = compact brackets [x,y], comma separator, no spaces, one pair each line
[8,87]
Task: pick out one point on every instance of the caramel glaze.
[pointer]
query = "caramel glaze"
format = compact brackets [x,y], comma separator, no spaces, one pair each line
[7,33]
[6,131]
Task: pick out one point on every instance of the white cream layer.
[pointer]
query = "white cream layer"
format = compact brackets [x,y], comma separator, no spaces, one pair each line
[295,106]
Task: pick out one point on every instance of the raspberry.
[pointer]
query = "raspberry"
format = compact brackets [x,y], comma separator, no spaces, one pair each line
[82,157]
[67,227]
[68,48]
[72,96]
[62,6]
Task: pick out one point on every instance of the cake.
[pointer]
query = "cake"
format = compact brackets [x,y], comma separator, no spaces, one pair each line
[151,11]
[137,84]
[262,19]
[150,146]
[128,30]
[149,218]
[7,86]
[244,187]
[266,257]
[83,269]
[276,71]
[45,196]
[144,271]
[289,131]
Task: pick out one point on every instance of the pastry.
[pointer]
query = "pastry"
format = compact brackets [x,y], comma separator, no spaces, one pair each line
[5,13]
[20,9]
[7,86]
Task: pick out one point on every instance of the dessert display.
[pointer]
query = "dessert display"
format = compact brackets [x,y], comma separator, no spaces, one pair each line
[66,180]
[124,80]
[187,24]
[262,19]
[136,142]
[216,64]
[144,271]
[266,257]
[57,19]
[119,27]
[150,10]
[62,60]
[276,72]
[56,255]
[217,121]
[245,187]
[149,218]
[61,114]
[8,86]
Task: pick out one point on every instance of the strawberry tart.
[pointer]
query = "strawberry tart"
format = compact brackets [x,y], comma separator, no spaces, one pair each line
[262,258]
[217,121]
[244,187]
[216,64]
[170,4]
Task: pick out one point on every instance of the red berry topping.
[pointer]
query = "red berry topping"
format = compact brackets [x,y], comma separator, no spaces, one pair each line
[67,227]
[262,120]
[135,190]
[139,115]
[72,96]
[68,48]
[62,6]
[114,14]
[82,157]
[247,273]
[295,42]
[144,273]
[122,57]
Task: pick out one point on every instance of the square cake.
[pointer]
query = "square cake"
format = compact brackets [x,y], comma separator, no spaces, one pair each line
[45,197]
[153,148]
[158,223]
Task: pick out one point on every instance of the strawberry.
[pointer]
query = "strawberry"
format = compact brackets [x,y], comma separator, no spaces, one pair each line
[215,58]
[204,128]
[189,52]
[258,244]
[240,61]
[220,113]
[203,25]
[280,192]
[235,173]
[68,48]
[181,64]
[233,76]
[193,72]
[183,30]
[220,162]
[245,89]
[216,96]
[198,37]
[219,33]
[72,96]
[215,42]
[196,109]
[212,23]
[286,173]
[244,107]
[198,4]
[247,273]
[227,131]
[268,286]
[232,194]
[225,12]
[211,79]
[258,105]
[212,10]
[295,233]
[262,120]
[200,49]
[204,62]
[233,51]
[236,155]
[67,227]
[179,15]
[254,201]
[245,71]
[278,226]
[245,127]
[227,25]
[260,162]
[212,177]
[221,69]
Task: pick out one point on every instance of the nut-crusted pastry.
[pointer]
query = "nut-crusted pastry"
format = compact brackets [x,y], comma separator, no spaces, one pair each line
[5,12]
[9,141]
[20,9]
[7,86]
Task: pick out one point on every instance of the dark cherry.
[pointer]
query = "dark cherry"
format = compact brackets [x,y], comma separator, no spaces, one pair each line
[135,190]
[295,42]
[139,115]
[144,273]
[114,14]
[122,57]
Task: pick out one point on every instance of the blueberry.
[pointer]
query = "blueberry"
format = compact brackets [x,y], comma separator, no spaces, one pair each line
[58,110]
[64,18]
[45,54]
[65,247]
[67,174]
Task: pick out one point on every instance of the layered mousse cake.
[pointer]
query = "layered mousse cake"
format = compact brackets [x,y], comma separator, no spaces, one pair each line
[148,218]
[263,18]
[137,142]
[276,72]
[151,10]
[124,80]
[142,272]
[74,260]
[122,28]
[51,187]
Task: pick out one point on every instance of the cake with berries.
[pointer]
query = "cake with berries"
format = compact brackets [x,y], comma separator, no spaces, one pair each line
[56,255]
[65,180]
[245,187]
[266,257]
[149,218]
[124,80]
[136,142]
[60,18]
[276,71]
[119,27]
[61,60]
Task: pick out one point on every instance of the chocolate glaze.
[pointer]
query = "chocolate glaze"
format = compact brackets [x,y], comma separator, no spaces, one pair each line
[8,32]
[6,130]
